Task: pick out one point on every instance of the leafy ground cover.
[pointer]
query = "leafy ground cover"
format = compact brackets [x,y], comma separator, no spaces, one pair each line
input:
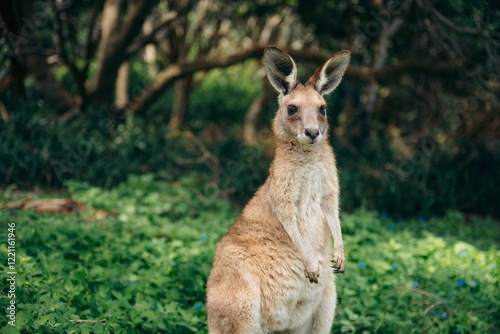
[143,267]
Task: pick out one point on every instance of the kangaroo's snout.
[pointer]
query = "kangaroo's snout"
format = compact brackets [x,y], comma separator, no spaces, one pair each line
[312,133]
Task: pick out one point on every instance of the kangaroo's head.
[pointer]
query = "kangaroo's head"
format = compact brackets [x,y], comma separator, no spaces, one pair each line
[302,113]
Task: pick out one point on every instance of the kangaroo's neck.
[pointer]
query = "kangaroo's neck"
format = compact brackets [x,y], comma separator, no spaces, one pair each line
[297,153]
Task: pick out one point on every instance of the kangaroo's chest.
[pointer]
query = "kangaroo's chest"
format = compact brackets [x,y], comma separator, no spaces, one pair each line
[310,190]
[311,217]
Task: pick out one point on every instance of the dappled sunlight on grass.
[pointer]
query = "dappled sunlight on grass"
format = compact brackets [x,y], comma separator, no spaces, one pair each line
[408,275]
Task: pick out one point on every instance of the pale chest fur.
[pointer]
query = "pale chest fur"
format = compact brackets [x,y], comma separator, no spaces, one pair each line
[293,297]
[311,188]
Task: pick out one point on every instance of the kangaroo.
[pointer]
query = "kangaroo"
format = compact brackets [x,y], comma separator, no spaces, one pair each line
[271,272]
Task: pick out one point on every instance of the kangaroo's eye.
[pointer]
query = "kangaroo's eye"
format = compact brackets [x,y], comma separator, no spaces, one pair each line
[292,109]
[322,110]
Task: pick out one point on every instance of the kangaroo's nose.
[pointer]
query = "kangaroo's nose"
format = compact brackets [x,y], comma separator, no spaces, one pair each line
[312,133]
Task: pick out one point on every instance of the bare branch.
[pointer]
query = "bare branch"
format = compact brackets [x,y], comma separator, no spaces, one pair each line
[380,56]
[213,40]
[200,24]
[269,33]
[438,299]
[387,33]
[451,25]
[206,157]
[166,21]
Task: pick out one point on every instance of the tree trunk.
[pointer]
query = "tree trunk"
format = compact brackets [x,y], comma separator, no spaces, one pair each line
[21,36]
[109,27]
[122,84]
[53,91]
[150,49]
[182,90]
[253,114]
[115,40]
[370,94]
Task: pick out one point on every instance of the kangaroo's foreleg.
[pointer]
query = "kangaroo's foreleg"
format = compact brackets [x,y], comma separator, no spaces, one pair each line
[331,209]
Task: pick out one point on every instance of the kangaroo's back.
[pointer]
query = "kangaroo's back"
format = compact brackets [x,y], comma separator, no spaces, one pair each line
[271,271]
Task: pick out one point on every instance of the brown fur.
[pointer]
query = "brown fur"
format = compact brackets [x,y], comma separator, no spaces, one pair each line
[271,272]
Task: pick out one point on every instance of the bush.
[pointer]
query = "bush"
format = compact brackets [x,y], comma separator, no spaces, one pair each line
[37,150]
[427,183]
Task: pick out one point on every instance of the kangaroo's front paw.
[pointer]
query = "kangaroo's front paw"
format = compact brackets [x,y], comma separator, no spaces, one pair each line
[313,276]
[311,271]
[338,260]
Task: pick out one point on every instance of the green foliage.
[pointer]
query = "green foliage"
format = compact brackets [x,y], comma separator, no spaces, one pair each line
[419,276]
[433,179]
[429,145]
[36,149]
[144,267]
[225,96]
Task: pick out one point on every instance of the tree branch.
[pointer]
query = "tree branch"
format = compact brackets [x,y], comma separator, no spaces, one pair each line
[253,113]
[380,57]
[63,52]
[56,95]
[113,46]
[451,25]
[165,22]
[177,70]
[364,74]
[90,43]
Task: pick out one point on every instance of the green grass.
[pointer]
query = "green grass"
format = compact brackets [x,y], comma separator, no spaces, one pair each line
[144,267]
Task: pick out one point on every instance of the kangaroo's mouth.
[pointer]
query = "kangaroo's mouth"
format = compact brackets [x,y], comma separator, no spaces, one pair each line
[308,140]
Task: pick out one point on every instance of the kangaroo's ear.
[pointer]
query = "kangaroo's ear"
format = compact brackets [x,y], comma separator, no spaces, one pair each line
[281,69]
[328,76]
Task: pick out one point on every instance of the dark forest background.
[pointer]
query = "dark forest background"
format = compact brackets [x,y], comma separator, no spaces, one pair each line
[98,90]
